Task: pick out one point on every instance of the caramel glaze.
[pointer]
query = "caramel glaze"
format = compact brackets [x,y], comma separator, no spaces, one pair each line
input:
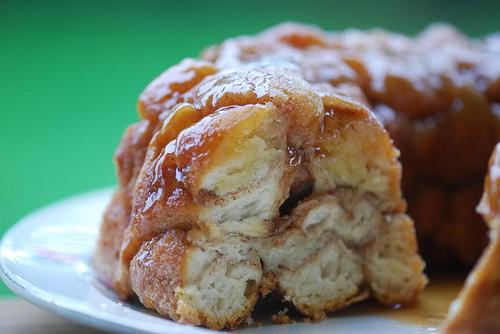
[428,312]
[438,94]
[180,147]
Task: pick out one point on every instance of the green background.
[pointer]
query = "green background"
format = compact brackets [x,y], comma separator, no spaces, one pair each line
[70,73]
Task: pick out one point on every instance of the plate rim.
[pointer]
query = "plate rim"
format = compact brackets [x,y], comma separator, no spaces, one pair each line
[100,321]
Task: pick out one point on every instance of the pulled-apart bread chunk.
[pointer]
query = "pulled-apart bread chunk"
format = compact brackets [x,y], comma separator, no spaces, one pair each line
[248,180]
[196,284]
[338,249]
[477,309]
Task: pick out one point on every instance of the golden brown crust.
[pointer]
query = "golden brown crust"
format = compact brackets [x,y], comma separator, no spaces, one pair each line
[171,86]
[490,203]
[130,154]
[157,271]
[114,222]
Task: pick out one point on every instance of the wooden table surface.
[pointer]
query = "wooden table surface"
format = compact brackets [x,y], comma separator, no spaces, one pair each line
[20,317]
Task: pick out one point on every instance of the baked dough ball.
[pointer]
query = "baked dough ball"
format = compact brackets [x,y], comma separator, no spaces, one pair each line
[477,308]
[248,180]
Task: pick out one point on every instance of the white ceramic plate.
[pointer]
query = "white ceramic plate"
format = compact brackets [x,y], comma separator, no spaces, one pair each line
[45,259]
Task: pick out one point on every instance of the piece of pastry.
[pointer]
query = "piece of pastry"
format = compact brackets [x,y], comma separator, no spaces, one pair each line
[438,95]
[477,309]
[252,172]
[247,180]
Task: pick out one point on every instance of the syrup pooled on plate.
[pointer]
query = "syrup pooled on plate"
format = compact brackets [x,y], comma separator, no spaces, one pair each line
[429,311]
